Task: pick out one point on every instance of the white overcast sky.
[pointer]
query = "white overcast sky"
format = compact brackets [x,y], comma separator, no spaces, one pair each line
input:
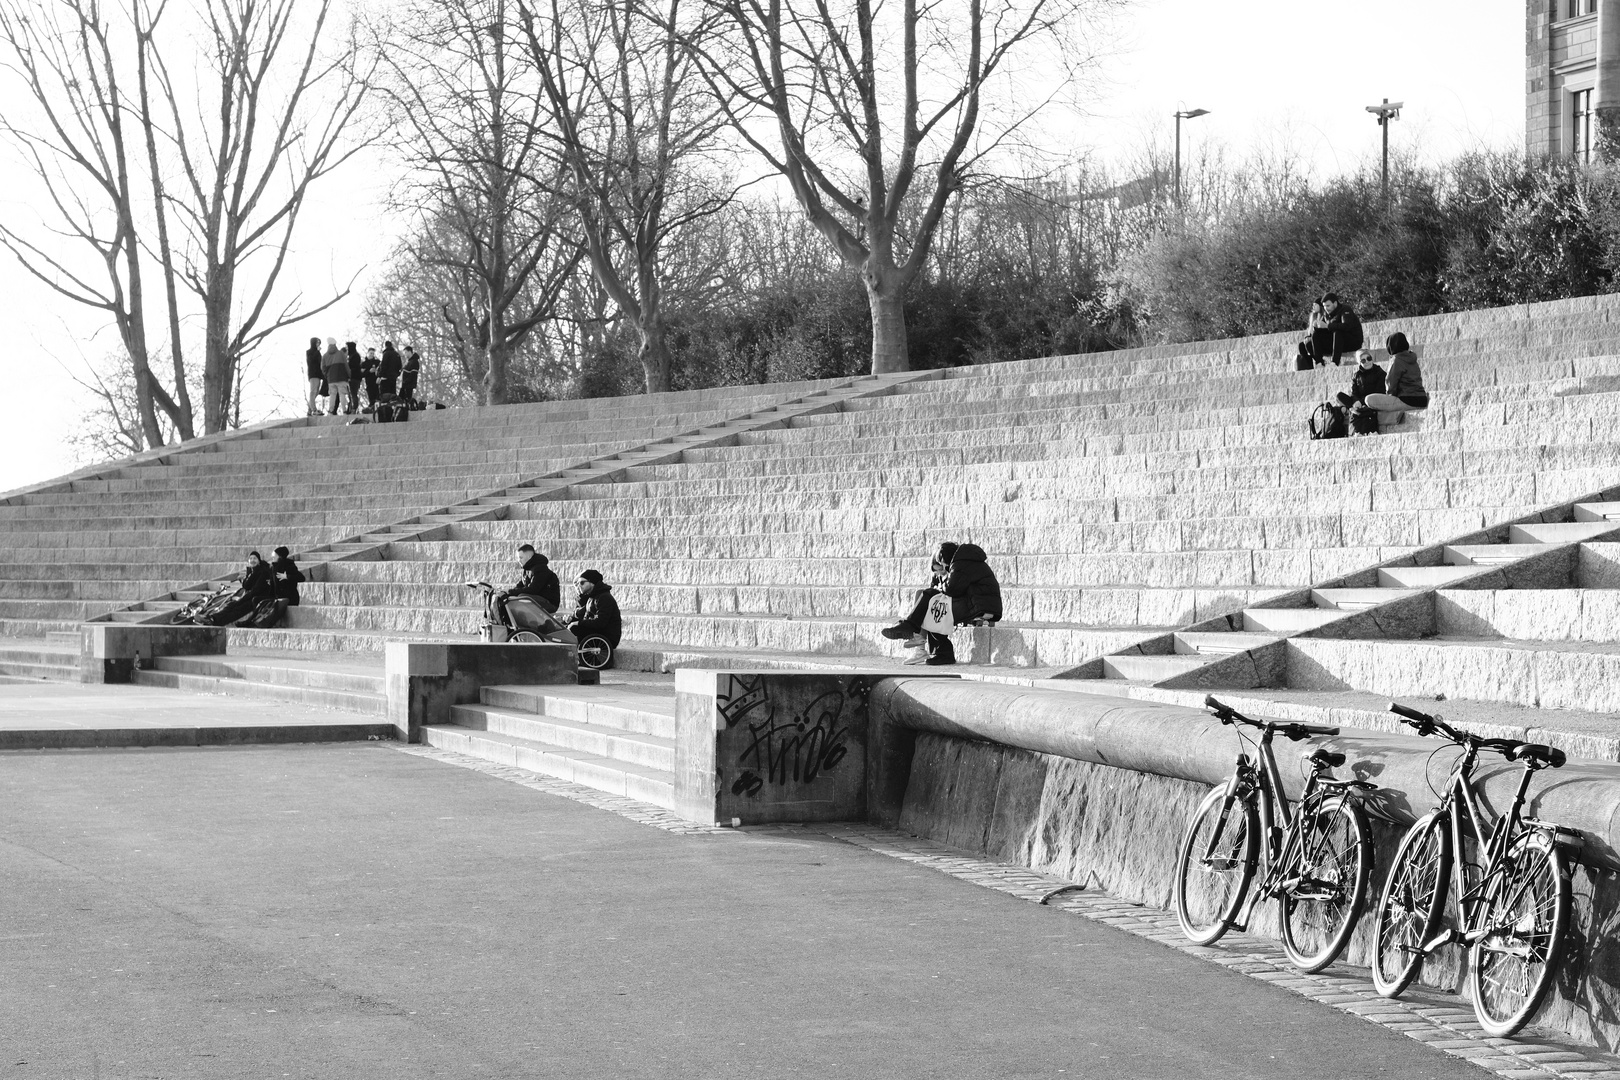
[1269,73]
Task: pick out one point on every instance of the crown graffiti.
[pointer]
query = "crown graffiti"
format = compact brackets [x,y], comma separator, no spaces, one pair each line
[742,697]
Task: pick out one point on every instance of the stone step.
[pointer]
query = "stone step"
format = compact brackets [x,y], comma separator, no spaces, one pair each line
[1219,643]
[1425,577]
[1356,599]
[605,774]
[622,747]
[1150,669]
[1290,620]
[1598,511]
[347,701]
[286,671]
[605,706]
[1566,615]
[1491,554]
[1570,532]
[51,659]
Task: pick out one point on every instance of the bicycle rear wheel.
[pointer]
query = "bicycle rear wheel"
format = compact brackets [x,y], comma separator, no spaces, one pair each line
[1217,862]
[1333,862]
[1412,904]
[1525,917]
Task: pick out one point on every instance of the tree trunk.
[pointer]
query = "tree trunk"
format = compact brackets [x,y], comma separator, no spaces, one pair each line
[654,354]
[217,366]
[887,299]
[495,388]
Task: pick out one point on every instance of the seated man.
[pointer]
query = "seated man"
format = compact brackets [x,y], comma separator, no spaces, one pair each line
[536,580]
[975,595]
[597,612]
[1335,330]
[1368,379]
[285,578]
[258,583]
[1404,383]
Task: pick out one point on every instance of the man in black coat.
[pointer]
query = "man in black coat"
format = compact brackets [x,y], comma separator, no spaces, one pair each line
[596,614]
[408,374]
[258,583]
[388,370]
[536,580]
[1343,330]
[285,577]
[317,377]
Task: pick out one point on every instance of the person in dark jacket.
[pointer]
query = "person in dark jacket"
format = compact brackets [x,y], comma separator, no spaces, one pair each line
[975,596]
[317,379]
[285,577]
[1336,331]
[1368,379]
[537,580]
[335,364]
[1404,384]
[388,369]
[596,614]
[910,626]
[368,373]
[408,374]
[258,583]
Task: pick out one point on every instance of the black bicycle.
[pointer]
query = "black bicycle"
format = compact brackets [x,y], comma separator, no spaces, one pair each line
[1513,907]
[1318,857]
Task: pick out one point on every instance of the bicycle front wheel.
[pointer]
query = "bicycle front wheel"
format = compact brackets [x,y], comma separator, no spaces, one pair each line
[1412,904]
[1216,865]
[1328,883]
[1524,919]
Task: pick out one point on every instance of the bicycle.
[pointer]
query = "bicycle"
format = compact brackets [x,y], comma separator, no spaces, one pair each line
[1512,917]
[1318,858]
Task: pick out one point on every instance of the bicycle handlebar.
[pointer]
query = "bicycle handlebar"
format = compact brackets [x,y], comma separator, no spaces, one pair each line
[1288,730]
[1536,755]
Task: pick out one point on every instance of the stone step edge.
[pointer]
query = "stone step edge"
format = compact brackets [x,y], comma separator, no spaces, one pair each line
[335,700]
[616,778]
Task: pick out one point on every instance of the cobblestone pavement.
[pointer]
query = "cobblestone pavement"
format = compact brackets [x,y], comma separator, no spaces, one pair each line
[1442,1021]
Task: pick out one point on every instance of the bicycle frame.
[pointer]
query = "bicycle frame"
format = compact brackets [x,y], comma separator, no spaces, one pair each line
[1460,801]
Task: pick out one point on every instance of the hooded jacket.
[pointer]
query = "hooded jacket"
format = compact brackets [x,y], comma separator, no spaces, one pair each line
[286,590]
[972,586]
[388,369]
[1367,380]
[336,365]
[538,580]
[1405,380]
[597,613]
[312,362]
[1346,328]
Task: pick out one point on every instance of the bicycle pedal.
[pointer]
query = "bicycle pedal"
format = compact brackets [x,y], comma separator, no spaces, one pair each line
[1445,937]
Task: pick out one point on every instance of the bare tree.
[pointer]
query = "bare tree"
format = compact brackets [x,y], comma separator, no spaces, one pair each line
[875,107]
[637,131]
[113,117]
[468,110]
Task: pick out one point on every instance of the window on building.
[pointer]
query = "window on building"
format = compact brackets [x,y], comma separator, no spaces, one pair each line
[1576,8]
[1581,111]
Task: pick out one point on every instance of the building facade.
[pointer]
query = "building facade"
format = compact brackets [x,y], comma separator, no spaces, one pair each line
[1572,60]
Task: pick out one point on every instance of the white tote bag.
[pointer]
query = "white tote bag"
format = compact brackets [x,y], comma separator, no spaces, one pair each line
[937,619]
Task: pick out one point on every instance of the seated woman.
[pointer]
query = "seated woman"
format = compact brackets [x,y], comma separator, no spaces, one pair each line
[1404,382]
[1369,379]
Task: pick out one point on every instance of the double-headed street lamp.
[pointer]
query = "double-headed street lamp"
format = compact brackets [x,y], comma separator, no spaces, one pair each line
[1389,110]
[1183,114]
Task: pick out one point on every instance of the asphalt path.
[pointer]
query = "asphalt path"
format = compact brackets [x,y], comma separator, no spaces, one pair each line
[348,912]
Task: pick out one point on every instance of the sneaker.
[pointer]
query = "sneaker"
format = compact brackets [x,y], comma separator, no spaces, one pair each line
[897,632]
[915,642]
[940,660]
[920,658]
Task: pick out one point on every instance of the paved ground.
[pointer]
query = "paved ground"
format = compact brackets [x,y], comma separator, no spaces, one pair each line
[351,911]
[49,706]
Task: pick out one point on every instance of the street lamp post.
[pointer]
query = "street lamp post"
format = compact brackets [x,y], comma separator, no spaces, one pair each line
[1389,110]
[1183,114]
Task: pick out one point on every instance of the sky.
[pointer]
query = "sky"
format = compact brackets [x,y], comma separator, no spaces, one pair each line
[1271,75]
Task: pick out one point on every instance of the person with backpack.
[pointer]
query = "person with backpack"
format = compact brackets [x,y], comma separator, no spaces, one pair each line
[1404,385]
[388,370]
[317,380]
[596,613]
[258,583]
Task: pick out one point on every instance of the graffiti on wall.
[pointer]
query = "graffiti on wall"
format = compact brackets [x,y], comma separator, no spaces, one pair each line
[796,747]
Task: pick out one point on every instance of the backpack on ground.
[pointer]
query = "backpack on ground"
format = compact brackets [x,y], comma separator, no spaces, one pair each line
[265,614]
[1329,422]
[1363,421]
[192,611]
[393,412]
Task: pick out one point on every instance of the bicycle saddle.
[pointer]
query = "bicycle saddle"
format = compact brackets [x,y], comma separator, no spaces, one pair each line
[1331,759]
[1538,755]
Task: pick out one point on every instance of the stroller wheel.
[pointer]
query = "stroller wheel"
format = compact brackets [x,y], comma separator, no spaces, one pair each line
[525,637]
[595,653]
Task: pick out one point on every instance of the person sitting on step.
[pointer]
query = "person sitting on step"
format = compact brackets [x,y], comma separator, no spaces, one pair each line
[907,627]
[975,596]
[1404,384]
[1334,329]
[596,614]
[1368,379]
[258,583]
[536,580]
[284,580]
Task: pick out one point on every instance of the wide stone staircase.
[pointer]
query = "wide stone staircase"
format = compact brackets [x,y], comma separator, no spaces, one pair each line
[1158,519]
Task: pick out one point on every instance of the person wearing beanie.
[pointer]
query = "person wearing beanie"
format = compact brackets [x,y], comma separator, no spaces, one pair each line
[285,578]
[257,583]
[910,627]
[596,613]
[1403,385]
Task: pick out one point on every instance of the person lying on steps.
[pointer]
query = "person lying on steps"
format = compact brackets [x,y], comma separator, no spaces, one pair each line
[536,580]
[596,614]
[975,595]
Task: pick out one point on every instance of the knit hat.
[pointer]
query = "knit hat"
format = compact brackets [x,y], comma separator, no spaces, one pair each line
[282,553]
[593,576]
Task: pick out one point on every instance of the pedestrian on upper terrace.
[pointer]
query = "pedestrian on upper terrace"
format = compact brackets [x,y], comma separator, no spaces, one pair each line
[975,596]
[368,373]
[354,361]
[336,366]
[317,381]
[537,580]
[257,584]
[1334,330]
[596,614]
[388,370]
[1404,384]
[1368,379]
[408,374]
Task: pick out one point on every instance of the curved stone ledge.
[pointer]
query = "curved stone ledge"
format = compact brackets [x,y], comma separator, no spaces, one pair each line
[1186,744]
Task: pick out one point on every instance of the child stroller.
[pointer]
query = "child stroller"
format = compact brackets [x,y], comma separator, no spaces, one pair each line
[521,620]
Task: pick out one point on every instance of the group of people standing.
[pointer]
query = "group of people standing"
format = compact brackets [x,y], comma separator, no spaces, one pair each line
[337,375]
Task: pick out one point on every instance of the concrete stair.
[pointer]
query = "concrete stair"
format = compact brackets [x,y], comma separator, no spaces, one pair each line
[615,737]
[324,684]
[53,657]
